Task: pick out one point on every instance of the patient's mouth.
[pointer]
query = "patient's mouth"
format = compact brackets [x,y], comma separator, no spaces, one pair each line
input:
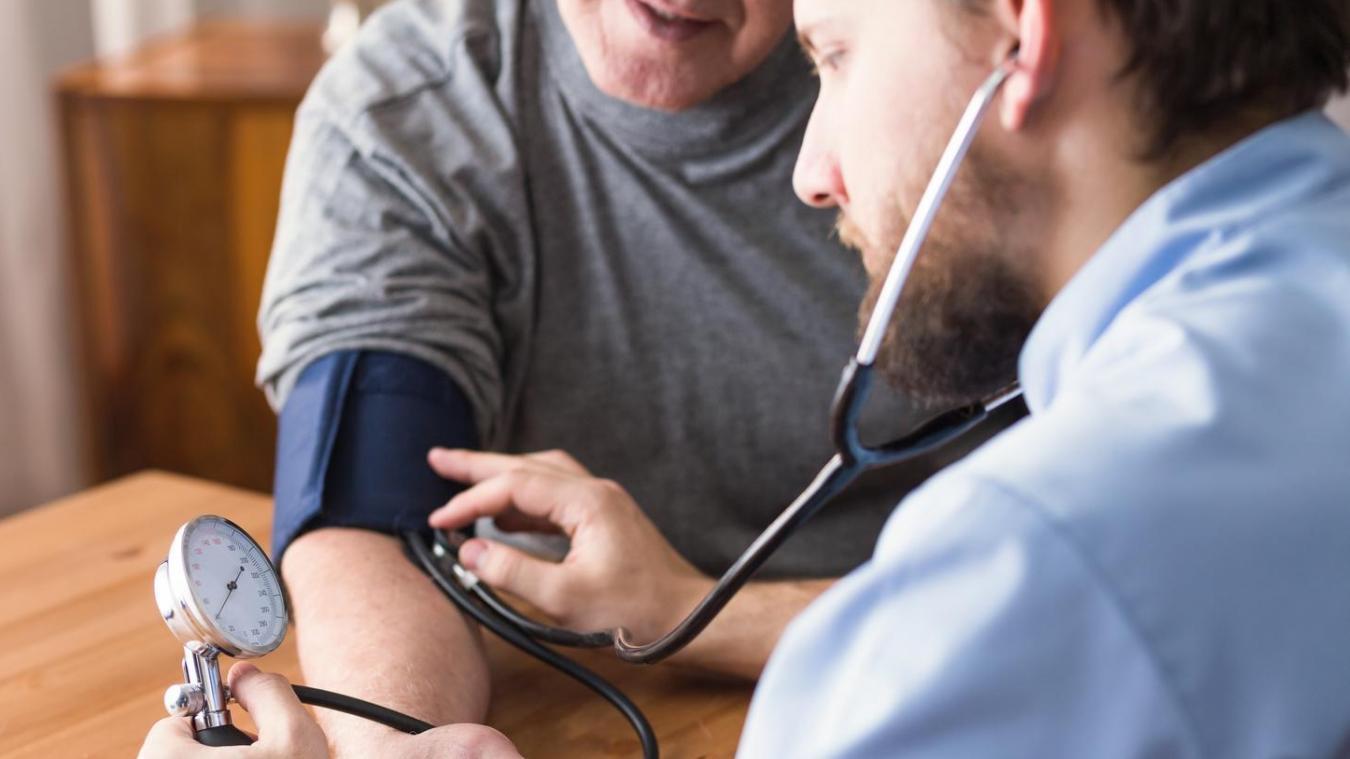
[668,25]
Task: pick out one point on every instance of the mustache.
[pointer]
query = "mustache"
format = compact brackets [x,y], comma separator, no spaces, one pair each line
[850,234]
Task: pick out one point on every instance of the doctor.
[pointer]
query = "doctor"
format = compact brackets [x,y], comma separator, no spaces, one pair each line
[1155,562]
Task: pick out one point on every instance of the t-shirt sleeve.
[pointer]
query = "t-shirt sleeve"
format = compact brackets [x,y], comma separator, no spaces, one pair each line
[352,444]
[367,256]
[977,630]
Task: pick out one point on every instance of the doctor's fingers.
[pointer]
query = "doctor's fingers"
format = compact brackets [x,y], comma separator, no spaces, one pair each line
[565,500]
[475,466]
[284,727]
[169,737]
[545,584]
[512,520]
[560,460]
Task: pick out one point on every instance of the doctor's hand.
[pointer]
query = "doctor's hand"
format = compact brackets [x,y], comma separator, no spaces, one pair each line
[620,571]
[285,729]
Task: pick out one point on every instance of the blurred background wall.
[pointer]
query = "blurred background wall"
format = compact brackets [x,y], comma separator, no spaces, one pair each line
[38,432]
[119,25]
[45,447]
[40,436]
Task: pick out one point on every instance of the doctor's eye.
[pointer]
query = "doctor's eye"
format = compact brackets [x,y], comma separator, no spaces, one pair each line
[830,61]
[827,62]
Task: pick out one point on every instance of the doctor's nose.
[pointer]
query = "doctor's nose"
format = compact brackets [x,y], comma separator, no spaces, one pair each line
[816,179]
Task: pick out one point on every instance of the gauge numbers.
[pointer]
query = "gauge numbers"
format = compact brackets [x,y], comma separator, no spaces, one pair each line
[234,585]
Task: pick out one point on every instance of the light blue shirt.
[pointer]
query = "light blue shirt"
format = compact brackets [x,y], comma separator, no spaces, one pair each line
[1156,563]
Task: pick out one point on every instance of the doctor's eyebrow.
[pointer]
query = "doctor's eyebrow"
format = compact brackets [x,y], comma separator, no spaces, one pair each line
[808,32]
[804,40]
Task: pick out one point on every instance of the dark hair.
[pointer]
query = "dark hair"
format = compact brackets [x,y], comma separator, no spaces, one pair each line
[1202,64]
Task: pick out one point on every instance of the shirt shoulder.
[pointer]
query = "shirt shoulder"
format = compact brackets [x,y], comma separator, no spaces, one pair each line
[977,629]
[1196,458]
[456,53]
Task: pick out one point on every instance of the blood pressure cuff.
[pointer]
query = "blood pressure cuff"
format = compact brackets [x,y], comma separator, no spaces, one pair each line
[352,445]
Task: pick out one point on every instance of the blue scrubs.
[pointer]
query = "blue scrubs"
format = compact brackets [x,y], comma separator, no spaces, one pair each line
[1156,563]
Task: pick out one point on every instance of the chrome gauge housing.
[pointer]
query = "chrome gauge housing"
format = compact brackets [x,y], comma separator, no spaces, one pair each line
[218,590]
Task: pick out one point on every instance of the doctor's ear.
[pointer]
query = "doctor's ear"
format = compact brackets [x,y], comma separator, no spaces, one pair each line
[1036,45]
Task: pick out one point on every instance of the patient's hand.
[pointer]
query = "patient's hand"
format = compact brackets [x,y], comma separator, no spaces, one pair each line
[620,571]
[286,731]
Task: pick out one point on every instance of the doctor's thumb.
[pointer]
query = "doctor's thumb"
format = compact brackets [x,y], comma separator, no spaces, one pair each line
[268,698]
[506,568]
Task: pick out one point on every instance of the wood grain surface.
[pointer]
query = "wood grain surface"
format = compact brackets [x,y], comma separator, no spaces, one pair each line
[85,658]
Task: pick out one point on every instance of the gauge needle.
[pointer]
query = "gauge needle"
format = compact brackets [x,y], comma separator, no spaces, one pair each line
[229,591]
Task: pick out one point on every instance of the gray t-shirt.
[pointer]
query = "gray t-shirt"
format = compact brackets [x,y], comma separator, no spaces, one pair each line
[641,289]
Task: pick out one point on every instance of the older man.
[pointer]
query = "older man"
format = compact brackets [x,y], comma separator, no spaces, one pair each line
[553,224]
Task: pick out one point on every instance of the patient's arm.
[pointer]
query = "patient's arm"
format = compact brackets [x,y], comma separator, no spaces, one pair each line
[371,625]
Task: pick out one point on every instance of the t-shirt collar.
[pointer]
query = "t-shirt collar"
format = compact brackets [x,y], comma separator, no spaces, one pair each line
[780,92]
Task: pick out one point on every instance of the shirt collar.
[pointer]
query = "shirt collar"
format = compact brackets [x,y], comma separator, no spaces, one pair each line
[1274,167]
[777,96]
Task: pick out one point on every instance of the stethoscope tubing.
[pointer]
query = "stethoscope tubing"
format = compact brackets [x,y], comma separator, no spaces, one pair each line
[927,210]
[425,557]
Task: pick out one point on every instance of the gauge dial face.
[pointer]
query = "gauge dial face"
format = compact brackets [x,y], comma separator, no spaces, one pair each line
[234,585]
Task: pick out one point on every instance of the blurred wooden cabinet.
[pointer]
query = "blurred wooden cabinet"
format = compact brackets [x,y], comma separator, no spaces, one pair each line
[174,158]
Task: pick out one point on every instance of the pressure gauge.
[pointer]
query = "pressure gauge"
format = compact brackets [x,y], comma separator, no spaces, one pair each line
[219,594]
[218,590]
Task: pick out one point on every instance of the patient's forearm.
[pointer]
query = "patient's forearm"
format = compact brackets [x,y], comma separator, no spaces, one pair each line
[369,624]
[739,641]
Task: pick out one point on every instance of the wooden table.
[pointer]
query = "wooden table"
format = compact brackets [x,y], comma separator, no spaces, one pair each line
[85,659]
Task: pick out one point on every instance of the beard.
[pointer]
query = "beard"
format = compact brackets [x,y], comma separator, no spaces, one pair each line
[969,303]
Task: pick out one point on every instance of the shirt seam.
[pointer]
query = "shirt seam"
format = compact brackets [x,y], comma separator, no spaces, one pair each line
[351,119]
[1108,592]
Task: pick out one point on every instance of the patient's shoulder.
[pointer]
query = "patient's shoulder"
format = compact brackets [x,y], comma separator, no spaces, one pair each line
[457,49]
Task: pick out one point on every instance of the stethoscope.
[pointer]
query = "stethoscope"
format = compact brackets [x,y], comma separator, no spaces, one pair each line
[196,584]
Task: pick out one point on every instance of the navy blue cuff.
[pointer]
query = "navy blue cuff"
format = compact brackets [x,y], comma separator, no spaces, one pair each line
[352,445]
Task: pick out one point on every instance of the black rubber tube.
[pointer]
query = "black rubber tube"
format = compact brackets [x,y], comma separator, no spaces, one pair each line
[358,708]
[538,630]
[418,548]
[558,636]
